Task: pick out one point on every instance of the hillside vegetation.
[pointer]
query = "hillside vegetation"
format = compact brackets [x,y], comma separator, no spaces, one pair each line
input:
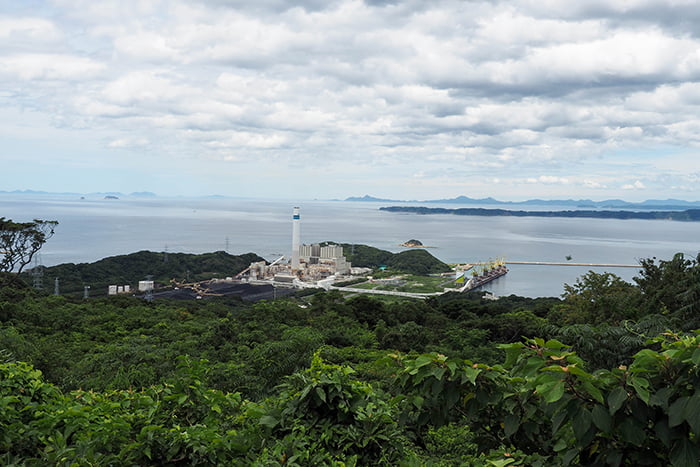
[606,375]
[134,267]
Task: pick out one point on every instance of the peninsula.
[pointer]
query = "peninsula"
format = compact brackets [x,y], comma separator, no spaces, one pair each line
[692,215]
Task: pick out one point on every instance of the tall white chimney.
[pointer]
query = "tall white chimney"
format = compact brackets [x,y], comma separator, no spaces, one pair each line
[295,238]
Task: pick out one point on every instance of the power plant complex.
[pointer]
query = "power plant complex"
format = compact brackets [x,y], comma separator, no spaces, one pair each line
[308,265]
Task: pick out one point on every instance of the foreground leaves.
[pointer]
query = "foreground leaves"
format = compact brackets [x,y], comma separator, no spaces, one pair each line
[541,407]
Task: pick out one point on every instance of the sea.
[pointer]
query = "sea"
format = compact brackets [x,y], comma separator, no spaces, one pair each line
[92,227]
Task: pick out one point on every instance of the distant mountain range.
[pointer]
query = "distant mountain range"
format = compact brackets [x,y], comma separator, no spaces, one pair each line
[136,194]
[577,203]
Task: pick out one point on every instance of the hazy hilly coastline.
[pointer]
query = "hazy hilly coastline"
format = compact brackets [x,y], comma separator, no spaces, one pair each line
[670,204]
[136,194]
[689,215]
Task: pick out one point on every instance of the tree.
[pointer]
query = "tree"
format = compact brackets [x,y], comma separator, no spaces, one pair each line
[20,241]
[598,298]
[672,286]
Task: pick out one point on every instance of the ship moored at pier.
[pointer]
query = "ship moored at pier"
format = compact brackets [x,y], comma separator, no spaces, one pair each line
[492,272]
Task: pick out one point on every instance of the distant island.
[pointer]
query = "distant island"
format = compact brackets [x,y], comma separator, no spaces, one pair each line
[692,215]
[414,244]
[665,204]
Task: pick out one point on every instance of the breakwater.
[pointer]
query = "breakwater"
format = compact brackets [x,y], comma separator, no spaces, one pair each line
[568,263]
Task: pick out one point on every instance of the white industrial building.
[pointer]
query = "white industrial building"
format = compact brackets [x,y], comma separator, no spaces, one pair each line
[329,255]
[118,289]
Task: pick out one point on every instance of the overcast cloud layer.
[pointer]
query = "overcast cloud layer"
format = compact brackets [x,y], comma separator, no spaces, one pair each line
[322,99]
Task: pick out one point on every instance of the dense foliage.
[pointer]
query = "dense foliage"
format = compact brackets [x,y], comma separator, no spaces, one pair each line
[129,269]
[331,380]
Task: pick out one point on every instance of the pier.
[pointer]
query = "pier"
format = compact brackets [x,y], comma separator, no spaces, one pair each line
[592,265]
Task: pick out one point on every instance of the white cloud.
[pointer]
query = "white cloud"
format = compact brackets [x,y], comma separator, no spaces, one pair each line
[549,180]
[127,143]
[49,67]
[28,29]
[637,185]
[593,184]
[512,90]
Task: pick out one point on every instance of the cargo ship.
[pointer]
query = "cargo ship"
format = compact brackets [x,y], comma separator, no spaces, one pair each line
[489,272]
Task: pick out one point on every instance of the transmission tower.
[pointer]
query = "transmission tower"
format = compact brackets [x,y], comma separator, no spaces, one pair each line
[86,292]
[55,287]
[38,273]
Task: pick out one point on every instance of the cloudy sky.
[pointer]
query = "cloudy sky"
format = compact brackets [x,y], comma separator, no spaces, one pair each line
[405,99]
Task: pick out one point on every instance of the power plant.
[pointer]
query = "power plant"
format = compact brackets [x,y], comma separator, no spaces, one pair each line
[308,265]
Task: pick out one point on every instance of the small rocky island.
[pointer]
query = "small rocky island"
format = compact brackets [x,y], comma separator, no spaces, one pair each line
[414,244]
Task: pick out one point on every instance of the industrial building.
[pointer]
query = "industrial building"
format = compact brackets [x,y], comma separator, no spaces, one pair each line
[330,256]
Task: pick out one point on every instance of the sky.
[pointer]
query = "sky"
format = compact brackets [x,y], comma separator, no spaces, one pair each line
[326,99]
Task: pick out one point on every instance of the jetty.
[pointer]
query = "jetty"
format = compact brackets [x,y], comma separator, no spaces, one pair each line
[568,263]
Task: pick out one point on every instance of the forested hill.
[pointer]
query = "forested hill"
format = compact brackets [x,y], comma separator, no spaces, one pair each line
[409,261]
[687,215]
[131,268]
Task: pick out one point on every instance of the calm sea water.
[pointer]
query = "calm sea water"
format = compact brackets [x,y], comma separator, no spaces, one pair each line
[94,228]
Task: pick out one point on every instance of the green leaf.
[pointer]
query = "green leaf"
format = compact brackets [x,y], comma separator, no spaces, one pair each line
[663,432]
[632,432]
[660,397]
[321,393]
[511,424]
[532,366]
[513,352]
[555,344]
[593,391]
[641,387]
[692,413]
[471,374]
[616,398]
[602,419]
[684,453]
[422,361]
[560,445]
[268,421]
[500,462]
[614,458]
[552,390]
[557,421]
[677,411]
[581,423]
[696,356]
[570,456]
[418,402]
[576,370]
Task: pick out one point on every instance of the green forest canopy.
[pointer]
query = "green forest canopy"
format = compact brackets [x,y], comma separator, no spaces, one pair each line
[454,380]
